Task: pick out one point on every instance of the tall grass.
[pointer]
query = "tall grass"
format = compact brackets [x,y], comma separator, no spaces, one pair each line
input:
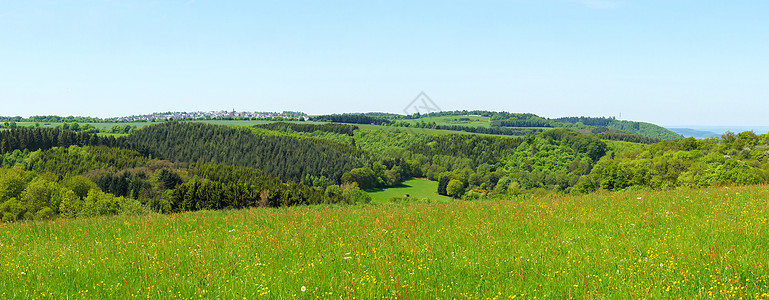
[678,244]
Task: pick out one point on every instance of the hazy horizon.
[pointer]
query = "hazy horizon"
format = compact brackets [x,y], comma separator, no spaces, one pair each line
[715,128]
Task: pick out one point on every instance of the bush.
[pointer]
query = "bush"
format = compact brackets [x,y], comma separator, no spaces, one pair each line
[44,214]
[132,207]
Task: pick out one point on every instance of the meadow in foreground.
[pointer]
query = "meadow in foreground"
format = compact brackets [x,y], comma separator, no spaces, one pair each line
[678,244]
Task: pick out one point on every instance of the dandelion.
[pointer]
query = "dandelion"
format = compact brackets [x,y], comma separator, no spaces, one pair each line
[304,289]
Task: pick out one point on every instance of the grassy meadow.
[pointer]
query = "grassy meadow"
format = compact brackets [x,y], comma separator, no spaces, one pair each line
[676,244]
[418,188]
[472,121]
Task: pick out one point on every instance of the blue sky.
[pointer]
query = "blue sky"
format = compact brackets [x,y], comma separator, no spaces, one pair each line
[672,62]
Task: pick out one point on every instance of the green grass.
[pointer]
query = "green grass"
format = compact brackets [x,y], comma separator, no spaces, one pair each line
[415,130]
[472,121]
[709,243]
[249,123]
[416,188]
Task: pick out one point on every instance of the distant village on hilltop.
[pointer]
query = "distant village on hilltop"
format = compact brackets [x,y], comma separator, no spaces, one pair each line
[222,114]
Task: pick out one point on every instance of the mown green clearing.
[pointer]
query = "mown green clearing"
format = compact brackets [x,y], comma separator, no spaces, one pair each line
[249,123]
[473,121]
[708,243]
[416,188]
[416,130]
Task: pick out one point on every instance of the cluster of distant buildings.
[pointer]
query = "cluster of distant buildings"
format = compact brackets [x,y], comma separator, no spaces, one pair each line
[222,114]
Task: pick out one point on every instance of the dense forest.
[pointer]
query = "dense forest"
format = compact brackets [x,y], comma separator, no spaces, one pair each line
[351,118]
[284,157]
[472,129]
[328,127]
[506,123]
[639,128]
[731,159]
[187,166]
[46,138]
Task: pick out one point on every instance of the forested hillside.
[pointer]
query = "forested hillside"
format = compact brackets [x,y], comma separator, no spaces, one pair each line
[640,128]
[46,138]
[733,158]
[280,156]
[185,166]
[514,124]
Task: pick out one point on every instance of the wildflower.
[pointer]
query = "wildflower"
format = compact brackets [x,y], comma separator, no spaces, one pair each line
[304,289]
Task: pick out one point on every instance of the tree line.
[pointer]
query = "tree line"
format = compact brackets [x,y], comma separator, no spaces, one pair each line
[351,118]
[47,138]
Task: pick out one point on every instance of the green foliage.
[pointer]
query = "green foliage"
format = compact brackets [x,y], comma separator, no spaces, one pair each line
[303,127]
[615,135]
[70,205]
[79,185]
[13,182]
[351,118]
[283,157]
[125,129]
[78,128]
[132,207]
[455,188]
[16,158]
[46,138]
[300,164]
[223,187]
[478,149]
[98,203]
[169,180]
[639,128]
[27,195]
[442,184]
[732,159]
[357,196]
[364,177]
[74,160]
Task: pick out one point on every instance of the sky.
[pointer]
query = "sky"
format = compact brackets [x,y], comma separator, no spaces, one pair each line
[668,62]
